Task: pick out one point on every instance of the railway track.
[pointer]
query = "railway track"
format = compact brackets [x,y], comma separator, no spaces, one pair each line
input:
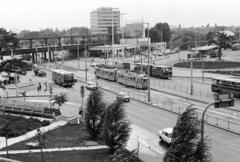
[201,103]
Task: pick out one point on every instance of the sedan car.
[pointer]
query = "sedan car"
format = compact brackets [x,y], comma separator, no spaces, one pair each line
[165,135]
[92,86]
[121,96]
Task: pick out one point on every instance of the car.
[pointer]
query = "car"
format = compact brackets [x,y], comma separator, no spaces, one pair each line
[92,86]
[165,135]
[39,73]
[121,96]
[93,64]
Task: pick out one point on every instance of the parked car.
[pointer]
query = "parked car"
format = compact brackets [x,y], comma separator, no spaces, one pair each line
[121,96]
[165,135]
[92,86]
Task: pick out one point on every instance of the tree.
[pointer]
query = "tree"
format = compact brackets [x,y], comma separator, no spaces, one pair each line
[185,139]
[116,128]
[59,99]
[8,40]
[160,32]
[222,39]
[94,114]
[123,155]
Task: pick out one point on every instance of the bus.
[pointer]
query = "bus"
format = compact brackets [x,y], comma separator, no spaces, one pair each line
[158,71]
[63,77]
[226,85]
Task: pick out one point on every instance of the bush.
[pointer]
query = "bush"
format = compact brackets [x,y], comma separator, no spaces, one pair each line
[13,126]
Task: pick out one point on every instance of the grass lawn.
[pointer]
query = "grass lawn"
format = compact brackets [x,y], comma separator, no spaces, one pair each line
[19,125]
[66,156]
[208,64]
[65,136]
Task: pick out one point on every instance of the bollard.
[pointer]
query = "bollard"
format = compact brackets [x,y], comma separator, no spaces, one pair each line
[217,121]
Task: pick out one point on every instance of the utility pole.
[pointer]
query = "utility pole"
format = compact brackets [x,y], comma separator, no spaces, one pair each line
[85,63]
[78,51]
[149,97]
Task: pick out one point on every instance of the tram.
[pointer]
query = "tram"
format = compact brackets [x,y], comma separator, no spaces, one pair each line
[106,72]
[226,85]
[158,71]
[122,76]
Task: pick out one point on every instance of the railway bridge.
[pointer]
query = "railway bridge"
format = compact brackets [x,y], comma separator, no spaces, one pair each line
[77,42]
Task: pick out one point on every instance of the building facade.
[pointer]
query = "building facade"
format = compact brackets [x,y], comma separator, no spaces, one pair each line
[103,19]
[134,30]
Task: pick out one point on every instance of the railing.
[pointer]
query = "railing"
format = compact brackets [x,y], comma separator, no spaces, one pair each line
[219,121]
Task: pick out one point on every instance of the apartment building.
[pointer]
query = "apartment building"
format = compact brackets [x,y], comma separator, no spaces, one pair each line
[102,20]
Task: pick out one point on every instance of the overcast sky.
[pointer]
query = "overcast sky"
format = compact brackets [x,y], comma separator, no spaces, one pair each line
[40,14]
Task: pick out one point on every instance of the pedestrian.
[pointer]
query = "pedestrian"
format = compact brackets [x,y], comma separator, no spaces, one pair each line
[46,85]
[39,86]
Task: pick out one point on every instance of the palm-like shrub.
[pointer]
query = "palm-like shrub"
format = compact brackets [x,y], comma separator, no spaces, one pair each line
[59,99]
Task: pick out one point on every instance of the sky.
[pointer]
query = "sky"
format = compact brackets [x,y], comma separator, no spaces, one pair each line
[17,15]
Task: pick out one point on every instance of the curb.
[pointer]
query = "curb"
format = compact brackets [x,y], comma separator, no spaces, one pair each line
[21,86]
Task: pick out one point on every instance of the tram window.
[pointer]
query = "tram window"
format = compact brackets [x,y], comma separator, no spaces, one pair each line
[215,81]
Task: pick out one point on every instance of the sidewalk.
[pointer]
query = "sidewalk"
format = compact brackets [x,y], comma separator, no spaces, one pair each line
[30,134]
[147,144]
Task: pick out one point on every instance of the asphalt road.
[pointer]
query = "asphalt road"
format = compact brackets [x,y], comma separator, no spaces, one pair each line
[225,145]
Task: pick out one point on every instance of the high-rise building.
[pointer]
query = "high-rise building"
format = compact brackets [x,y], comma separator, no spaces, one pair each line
[103,19]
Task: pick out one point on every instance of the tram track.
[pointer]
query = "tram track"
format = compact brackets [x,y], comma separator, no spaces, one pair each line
[172,96]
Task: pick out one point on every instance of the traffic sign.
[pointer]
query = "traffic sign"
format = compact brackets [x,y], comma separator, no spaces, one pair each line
[223,100]
[82,91]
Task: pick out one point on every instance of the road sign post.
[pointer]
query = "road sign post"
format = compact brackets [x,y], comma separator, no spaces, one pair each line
[82,91]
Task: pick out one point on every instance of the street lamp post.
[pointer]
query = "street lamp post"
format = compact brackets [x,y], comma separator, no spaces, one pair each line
[149,95]
[220,101]
[122,24]
[39,141]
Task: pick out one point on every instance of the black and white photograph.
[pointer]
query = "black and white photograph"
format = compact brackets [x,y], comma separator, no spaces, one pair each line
[119,81]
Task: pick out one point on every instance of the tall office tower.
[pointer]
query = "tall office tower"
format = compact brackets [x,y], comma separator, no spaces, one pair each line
[103,19]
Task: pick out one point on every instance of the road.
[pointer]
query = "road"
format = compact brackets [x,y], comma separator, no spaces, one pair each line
[225,145]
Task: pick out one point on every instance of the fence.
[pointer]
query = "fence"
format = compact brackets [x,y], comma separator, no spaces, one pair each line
[210,118]
[183,87]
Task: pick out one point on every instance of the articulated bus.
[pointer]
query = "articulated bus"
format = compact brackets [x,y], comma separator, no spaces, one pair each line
[158,71]
[226,85]
[63,77]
